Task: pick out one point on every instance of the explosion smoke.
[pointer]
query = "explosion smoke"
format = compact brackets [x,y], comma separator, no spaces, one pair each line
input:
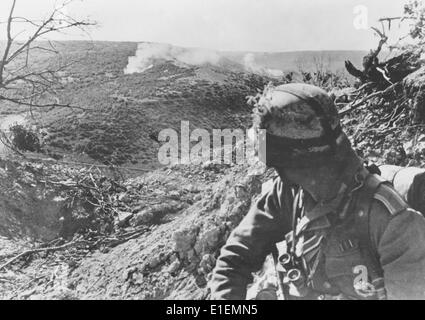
[251,66]
[148,54]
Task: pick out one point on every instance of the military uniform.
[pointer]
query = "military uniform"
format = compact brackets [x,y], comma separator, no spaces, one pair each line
[365,243]
[329,240]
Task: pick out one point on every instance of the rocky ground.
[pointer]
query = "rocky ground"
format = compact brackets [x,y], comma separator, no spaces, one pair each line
[163,247]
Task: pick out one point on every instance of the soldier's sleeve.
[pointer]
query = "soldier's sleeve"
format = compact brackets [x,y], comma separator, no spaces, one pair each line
[248,246]
[398,233]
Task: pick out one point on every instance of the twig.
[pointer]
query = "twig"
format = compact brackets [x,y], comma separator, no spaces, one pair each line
[364,86]
[362,101]
[28,252]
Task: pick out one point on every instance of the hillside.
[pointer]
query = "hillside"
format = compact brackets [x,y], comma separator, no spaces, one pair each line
[125,112]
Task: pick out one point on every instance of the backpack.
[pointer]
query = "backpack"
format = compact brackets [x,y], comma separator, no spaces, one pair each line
[409,183]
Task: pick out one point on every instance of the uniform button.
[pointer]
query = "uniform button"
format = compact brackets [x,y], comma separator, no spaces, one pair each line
[361,213]
[327,285]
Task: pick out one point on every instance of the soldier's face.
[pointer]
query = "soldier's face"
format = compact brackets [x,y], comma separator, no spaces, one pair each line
[294,174]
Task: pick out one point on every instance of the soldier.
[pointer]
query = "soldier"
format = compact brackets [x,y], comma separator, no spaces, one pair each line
[346,234]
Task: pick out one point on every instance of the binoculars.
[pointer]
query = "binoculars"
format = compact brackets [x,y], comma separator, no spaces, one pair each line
[293,276]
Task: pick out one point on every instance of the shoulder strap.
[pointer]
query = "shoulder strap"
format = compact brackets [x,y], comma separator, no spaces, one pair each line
[362,217]
[375,188]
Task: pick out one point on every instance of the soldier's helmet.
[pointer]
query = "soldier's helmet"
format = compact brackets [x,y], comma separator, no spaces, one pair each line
[301,126]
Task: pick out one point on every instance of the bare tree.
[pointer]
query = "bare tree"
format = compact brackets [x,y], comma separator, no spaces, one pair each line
[22,81]
[408,55]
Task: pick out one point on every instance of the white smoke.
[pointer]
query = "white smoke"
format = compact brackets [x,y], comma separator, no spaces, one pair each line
[252,66]
[148,53]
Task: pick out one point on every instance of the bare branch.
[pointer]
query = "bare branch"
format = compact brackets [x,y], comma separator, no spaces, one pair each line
[382,41]
[21,82]
[358,104]
[38,250]
[9,40]
[41,105]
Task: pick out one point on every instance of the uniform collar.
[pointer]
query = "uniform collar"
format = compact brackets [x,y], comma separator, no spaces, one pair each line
[317,217]
[322,209]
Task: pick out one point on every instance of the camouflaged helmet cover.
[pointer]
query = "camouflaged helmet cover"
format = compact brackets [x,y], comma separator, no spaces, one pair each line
[301,122]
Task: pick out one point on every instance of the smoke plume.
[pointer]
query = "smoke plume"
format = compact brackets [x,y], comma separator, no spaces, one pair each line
[251,66]
[148,54]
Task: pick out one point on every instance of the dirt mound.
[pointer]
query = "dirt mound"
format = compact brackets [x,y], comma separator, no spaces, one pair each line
[171,259]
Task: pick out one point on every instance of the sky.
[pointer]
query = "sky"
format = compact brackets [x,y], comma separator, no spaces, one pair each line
[230,25]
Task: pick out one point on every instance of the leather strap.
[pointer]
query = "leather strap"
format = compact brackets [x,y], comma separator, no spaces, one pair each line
[362,219]
[293,143]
